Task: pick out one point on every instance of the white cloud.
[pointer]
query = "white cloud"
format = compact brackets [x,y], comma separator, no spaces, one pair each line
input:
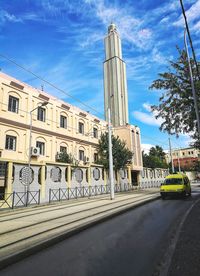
[146,118]
[159,58]
[5,16]
[196,27]
[192,14]
[130,28]
[165,20]
[146,147]
[91,39]
[31,17]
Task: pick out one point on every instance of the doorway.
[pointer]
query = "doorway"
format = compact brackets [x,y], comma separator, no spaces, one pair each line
[134,178]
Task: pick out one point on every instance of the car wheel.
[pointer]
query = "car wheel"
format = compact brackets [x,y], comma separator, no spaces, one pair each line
[163,196]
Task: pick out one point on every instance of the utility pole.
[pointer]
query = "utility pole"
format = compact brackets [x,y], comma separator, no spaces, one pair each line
[190,39]
[192,85]
[170,149]
[179,165]
[112,193]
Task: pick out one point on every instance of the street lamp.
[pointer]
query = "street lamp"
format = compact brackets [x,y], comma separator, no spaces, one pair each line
[30,142]
[112,191]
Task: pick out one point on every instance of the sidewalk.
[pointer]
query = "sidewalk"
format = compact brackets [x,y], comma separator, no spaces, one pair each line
[27,230]
[186,258]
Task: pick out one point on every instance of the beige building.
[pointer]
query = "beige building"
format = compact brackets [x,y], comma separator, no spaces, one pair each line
[56,127]
[32,119]
[131,135]
[184,158]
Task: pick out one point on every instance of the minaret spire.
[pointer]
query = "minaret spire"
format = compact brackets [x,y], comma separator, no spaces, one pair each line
[115,83]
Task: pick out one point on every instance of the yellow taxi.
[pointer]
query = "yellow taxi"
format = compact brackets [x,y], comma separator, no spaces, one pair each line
[175,184]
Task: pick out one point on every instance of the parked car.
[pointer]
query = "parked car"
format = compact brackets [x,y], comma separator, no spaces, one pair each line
[175,184]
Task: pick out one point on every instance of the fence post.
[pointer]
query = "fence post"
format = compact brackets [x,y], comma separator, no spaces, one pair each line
[13,200]
[49,195]
[59,194]
[76,192]
[68,193]
[26,198]
[39,197]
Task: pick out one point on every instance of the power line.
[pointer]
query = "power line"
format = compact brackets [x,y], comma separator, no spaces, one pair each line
[52,121]
[50,84]
[59,89]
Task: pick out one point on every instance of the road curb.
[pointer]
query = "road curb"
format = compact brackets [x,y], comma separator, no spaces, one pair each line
[58,238]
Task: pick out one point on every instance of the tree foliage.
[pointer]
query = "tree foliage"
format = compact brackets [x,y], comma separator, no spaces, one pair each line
[121,154]
[64,157]
[155,158]
[176,104]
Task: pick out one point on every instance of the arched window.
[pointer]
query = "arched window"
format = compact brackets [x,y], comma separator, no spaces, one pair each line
[11,140]
[81,154]
[81,126]
[13,101]
[63,120]
[95,132]
[40,143]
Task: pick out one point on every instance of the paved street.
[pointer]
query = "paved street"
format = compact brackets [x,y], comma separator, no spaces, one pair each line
[31,229]
[135,241]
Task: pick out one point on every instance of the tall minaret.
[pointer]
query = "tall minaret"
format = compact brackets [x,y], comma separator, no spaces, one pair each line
[115,84]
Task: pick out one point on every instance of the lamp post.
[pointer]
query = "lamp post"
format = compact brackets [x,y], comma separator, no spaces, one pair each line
[179,165]
[112,192]
[30,143]
[170,150]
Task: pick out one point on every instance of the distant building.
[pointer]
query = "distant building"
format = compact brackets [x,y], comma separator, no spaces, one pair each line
[186,158]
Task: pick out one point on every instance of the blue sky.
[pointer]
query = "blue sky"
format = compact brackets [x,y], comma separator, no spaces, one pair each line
[62,41]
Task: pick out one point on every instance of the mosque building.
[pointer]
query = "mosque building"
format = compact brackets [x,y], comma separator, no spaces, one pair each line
[116,98]
[32,118]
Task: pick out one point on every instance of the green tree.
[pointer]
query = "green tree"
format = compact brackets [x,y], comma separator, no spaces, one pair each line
[121,154]
[155,158]
[176,104]
[64,157]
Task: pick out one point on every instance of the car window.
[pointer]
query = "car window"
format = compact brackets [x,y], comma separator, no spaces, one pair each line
[173,181]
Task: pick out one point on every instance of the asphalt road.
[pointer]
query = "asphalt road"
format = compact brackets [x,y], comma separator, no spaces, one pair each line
[130,244]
